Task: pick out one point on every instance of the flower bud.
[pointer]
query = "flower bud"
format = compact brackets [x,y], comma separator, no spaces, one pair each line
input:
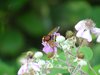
[38,55]
[30,54]
[41,62]
[80,55]
[60,39]
[69,34]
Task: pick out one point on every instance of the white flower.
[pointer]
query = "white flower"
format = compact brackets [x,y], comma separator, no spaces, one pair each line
[34,66]
[60,39]
[22,60]
[75,60]
[96,31]
[67,44]
[84,28]
[98,39]
[82,62]
[64,47]
[41,62]
[25,69]
[49,64]
[38,55]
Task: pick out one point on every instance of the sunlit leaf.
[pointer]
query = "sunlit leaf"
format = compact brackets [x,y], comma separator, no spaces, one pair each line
[87,51]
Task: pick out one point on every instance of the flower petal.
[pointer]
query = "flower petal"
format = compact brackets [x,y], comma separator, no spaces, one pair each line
[35,67]
[87,35]
[80,25]
[23,69]
[47,49]
[96,31]
[98,39]
[80,33]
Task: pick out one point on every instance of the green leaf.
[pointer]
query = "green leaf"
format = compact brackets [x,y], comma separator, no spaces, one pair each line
[87,51]
[86,69]
[96,69]
[96,51]
[62,56]
[94,15]
[55,71]
[5,69]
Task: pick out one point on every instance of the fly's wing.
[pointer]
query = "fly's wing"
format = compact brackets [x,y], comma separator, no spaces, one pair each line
[54,30]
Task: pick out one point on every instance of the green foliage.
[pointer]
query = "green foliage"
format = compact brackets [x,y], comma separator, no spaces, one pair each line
[6,69]
[96,69]
[22,21]
[94,14]
[87,51]
[96,52]
[56,71]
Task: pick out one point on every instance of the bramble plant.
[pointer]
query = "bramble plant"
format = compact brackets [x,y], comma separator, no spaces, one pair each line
[69,55]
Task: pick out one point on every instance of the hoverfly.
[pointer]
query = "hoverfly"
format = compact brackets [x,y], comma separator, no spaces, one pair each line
[50,38]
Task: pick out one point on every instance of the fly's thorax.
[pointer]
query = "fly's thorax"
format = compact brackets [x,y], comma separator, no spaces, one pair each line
[46,38]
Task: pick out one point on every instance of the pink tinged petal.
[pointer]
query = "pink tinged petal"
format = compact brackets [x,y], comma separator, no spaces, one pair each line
[95,31]
[80,33]
[56,34]
[35,67]
[98,39]
[80,25]
[47,49]
[86,35]
[44,43]
[23,69]
[55,49]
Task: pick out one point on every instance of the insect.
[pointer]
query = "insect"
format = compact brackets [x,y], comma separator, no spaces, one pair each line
[51,36]
[50,39]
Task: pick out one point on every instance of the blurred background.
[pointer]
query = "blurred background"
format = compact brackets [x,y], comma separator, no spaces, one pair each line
[23,23]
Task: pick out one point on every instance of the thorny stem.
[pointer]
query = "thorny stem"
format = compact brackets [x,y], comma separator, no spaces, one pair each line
[75,70]
[82,43]
[70,54]
[78,69]
[83,73]
[80,46]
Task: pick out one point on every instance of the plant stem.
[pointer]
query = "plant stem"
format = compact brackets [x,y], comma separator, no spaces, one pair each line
[92,69]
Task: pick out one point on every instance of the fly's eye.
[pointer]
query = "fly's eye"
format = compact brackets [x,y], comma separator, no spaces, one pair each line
[47,38]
